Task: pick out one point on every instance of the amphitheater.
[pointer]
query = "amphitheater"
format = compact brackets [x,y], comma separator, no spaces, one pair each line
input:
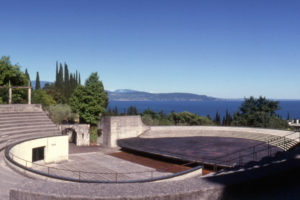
[230,163]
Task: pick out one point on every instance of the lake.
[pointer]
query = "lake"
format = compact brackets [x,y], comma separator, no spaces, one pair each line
[203,108]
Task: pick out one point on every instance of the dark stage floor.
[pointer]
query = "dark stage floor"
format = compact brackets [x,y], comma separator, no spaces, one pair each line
[220,150]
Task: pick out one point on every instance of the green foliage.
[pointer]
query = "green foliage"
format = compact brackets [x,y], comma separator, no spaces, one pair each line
[187,118]
[90,101]
[259,113]
[27,75]
[148,120]
[61,113]
[218,119]
[64,85]
[93,135]
[132,111]
[12,73]
[41,97]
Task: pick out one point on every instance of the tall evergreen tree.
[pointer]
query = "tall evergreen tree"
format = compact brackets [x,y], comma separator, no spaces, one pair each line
[66,80]
[218,118]
[79,81]
[67,91]
[56,75]
[76,79]
[27,75]
[37,82]
[60,77]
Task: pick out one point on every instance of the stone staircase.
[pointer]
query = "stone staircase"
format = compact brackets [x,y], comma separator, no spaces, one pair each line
[16,126]
[17,123]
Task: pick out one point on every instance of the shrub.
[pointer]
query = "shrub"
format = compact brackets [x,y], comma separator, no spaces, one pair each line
[61,113]
[94,135]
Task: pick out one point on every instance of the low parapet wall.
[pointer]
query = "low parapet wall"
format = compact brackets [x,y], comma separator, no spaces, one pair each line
[114,128]
[221,131]
[20,108]
[56,149]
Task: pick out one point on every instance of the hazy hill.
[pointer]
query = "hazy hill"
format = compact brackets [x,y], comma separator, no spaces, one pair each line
[132,95]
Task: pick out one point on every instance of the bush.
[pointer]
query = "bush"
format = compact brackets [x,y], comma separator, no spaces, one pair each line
[41,97]
[94,134]
[61,113]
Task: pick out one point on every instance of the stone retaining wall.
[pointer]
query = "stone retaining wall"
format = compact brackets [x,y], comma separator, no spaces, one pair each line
[82,132]
[114,128]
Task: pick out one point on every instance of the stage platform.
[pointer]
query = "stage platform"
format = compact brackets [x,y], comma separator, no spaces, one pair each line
[220,151]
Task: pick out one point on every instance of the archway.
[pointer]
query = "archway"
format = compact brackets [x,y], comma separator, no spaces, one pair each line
[72,135]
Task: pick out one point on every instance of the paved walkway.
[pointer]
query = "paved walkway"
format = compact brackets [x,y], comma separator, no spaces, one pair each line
[99,166]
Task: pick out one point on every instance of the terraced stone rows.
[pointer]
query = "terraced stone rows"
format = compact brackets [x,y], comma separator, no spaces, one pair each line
[281,142]
[99,166]
[18,126]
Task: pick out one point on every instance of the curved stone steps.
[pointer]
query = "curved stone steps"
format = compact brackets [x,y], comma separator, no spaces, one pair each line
[24,123]
[26,127]
[9,178]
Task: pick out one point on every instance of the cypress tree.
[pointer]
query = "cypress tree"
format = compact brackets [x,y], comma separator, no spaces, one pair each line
[66,74]
[224,122]
[76,79]
[60,77]
[27,75]
[67,82]
[218,118]
[79,81]
[56,75]
[37,82]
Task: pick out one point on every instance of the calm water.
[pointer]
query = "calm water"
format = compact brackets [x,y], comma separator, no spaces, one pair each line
[202,108]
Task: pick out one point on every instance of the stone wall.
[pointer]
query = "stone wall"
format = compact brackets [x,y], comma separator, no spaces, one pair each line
[82,132]
[114,128]
[56,150]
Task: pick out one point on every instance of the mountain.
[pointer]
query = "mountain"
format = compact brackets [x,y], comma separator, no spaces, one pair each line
[42,83]
[132,95]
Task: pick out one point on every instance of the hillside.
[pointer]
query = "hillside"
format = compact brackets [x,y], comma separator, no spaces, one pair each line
[131,95]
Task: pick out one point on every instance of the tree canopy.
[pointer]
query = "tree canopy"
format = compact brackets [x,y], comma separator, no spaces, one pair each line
[90,100]
[259,112]
[13,74]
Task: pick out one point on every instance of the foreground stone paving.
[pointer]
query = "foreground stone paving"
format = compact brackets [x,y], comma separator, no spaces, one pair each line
[99,166]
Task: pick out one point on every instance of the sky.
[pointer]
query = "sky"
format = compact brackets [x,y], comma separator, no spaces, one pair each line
[224,48]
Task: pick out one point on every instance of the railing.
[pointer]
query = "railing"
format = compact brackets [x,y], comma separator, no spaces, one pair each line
[93,177]
[230,160]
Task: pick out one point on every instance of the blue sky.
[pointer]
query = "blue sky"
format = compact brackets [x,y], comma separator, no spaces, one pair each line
[228,49]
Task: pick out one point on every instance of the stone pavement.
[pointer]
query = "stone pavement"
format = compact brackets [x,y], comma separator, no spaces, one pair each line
[99,166]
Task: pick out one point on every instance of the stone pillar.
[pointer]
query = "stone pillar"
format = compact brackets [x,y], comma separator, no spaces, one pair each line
[29,92]
[9,93]
[29,95]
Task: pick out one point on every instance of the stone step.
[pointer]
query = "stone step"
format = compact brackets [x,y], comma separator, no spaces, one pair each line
[25,123]
[22,114]
[29,127]
[21,120]
[42,131]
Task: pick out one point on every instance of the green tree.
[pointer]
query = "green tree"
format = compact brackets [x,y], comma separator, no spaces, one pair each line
[37,82]
[90,100]
[259,113]
[61,113]
[27,75]
[41,97]
[13,74]
[132,111]
[218,119]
